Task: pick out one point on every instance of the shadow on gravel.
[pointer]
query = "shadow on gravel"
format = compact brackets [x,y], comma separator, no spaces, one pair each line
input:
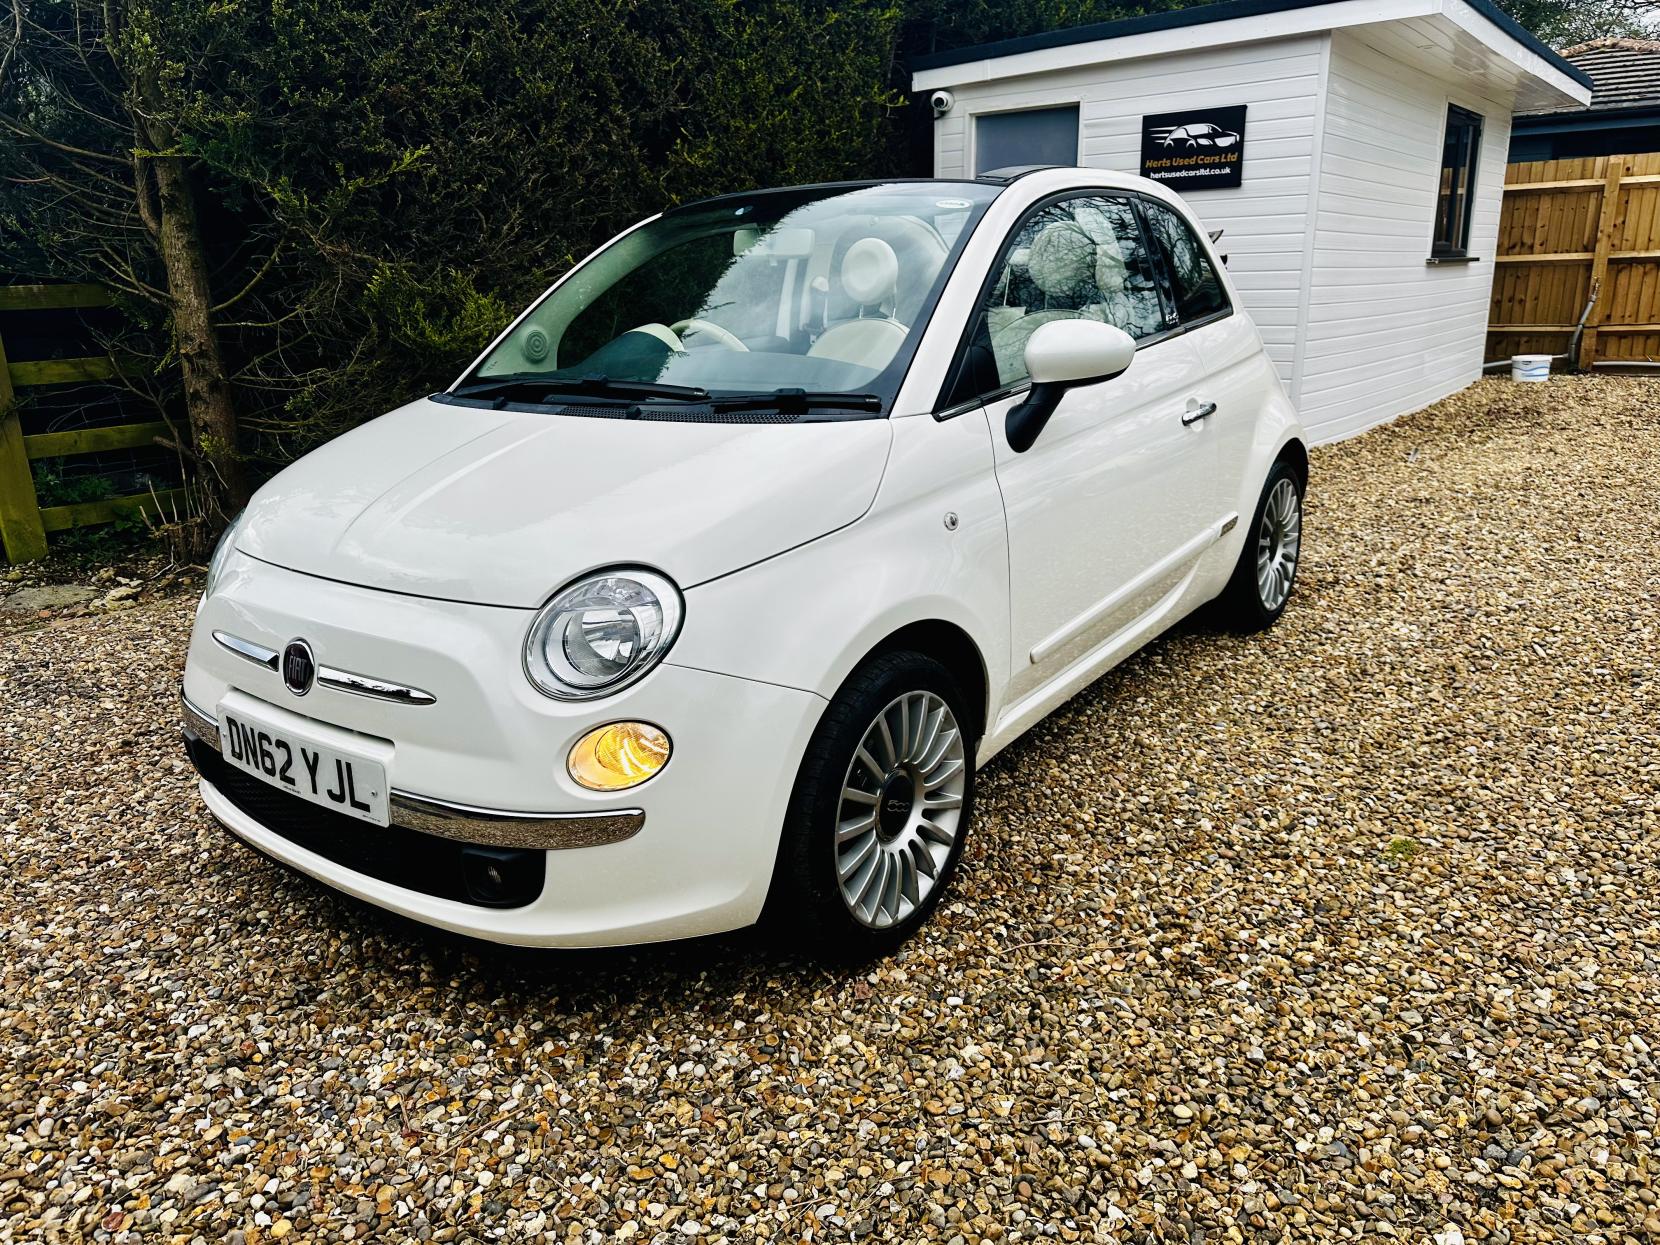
[697,974]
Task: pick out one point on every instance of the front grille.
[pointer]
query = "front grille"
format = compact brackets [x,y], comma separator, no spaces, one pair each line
[483,876]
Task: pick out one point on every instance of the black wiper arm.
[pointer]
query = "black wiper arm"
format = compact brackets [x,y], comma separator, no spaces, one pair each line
[530,385]
[636,388]
[788,400]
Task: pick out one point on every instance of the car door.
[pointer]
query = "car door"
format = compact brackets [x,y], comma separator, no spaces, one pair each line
[1107,512]
[1228,345]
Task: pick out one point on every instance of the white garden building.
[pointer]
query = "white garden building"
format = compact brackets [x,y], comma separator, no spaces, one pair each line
[1352,153]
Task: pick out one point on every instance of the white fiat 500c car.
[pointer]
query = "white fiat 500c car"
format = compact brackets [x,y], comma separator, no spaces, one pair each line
[701,595]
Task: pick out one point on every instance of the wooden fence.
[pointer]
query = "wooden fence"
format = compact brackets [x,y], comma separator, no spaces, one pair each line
[1569,227]
[23,523]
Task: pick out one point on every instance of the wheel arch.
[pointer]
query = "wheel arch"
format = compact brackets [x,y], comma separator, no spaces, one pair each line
[1295,455]
[953,648]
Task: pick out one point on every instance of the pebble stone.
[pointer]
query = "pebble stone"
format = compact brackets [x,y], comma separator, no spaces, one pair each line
[1349,931]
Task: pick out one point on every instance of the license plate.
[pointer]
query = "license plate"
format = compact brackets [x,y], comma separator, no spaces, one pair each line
[353,785]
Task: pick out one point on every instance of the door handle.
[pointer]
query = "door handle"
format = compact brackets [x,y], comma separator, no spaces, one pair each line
[1194,414]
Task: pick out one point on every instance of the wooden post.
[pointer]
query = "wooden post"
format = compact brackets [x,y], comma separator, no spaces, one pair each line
[20,527]
[1607,221]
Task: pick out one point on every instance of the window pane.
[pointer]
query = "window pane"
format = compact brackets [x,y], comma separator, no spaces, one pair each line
[1460,150]
[1041,136]
[1198,289]
[1078,259]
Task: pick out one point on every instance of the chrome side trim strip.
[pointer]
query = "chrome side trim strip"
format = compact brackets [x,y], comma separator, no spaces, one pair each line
[246,649]
[467,823]
[338,680]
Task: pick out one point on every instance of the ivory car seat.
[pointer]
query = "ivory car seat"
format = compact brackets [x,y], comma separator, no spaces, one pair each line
[1061,264]
[869,275]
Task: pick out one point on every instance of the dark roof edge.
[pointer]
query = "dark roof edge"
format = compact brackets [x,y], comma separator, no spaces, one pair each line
[1203,15]
[1586,119]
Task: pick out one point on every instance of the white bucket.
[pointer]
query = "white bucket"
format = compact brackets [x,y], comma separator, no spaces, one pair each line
[1530,367]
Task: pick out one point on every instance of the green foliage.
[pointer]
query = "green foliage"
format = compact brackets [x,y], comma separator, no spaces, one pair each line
[936,25]
[53,488]
[1566,22]
[1401,849]
[427,171]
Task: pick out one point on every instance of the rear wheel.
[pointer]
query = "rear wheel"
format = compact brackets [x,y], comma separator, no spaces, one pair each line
[1262,579]
[880,811]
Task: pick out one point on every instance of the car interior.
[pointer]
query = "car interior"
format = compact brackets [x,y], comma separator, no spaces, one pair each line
[1079,259]
[821,299]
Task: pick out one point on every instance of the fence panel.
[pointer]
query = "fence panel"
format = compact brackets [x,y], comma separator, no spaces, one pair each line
[23,523]
[1568,227]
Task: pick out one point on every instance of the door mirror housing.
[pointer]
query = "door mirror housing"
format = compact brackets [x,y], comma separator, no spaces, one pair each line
[1062,355]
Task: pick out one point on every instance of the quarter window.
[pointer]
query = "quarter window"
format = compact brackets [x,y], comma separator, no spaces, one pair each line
[1193,280]
[1078,259]
[1459,152]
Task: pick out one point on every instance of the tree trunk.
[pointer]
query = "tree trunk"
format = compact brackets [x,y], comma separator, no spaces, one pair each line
[207,392]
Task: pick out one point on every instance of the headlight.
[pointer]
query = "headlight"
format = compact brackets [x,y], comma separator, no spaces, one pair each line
[221,555]
[601,634]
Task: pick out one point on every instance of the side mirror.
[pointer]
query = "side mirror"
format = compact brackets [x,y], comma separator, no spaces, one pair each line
[1062,355]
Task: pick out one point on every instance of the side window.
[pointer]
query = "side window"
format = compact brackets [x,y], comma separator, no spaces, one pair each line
[1075,259]
[1194,282]
[1460,151]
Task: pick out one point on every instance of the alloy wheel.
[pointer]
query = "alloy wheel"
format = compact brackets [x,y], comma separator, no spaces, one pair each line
[1279,541]
[900,810]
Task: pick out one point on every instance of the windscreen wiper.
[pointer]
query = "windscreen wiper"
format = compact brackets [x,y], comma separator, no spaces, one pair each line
[529,386]
[794,400]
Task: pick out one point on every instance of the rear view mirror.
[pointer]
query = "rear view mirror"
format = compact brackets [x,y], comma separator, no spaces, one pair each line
[1062,355]
[776,243]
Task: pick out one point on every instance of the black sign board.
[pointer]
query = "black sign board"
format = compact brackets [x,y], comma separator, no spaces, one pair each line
[1200,149]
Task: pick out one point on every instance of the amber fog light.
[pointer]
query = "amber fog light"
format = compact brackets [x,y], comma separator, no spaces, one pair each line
[618,756]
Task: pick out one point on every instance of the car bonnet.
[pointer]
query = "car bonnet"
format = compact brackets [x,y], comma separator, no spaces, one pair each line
[504,507]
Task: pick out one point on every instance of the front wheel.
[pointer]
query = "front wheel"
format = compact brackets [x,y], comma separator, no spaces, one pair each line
[1257,593]
[880,810]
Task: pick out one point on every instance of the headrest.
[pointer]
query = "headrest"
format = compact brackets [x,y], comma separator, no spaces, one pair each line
[1062,260]
[870,272]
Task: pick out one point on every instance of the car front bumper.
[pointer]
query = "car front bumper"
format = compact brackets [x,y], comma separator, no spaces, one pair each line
[689,852]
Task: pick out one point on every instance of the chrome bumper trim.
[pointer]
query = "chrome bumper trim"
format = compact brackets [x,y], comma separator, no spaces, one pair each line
[497,828]
[328,676]
[466,823]
[204,725]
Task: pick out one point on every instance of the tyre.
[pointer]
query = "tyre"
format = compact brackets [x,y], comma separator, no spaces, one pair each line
[879,813]
[1261,585]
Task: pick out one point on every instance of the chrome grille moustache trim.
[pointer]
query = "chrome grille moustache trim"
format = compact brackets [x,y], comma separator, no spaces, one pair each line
[246,649]
[328,676]
[467,823]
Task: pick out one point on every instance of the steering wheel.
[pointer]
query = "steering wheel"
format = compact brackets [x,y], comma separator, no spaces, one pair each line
[725,337]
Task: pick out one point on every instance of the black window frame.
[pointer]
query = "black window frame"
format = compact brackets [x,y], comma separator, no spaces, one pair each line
[1167,280]
[1455,188]
[948,407]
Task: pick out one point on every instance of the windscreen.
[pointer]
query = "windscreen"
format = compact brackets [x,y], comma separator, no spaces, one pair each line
[824,289]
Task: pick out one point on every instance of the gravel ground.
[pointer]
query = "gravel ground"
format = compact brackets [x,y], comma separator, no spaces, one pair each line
[1349,931]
